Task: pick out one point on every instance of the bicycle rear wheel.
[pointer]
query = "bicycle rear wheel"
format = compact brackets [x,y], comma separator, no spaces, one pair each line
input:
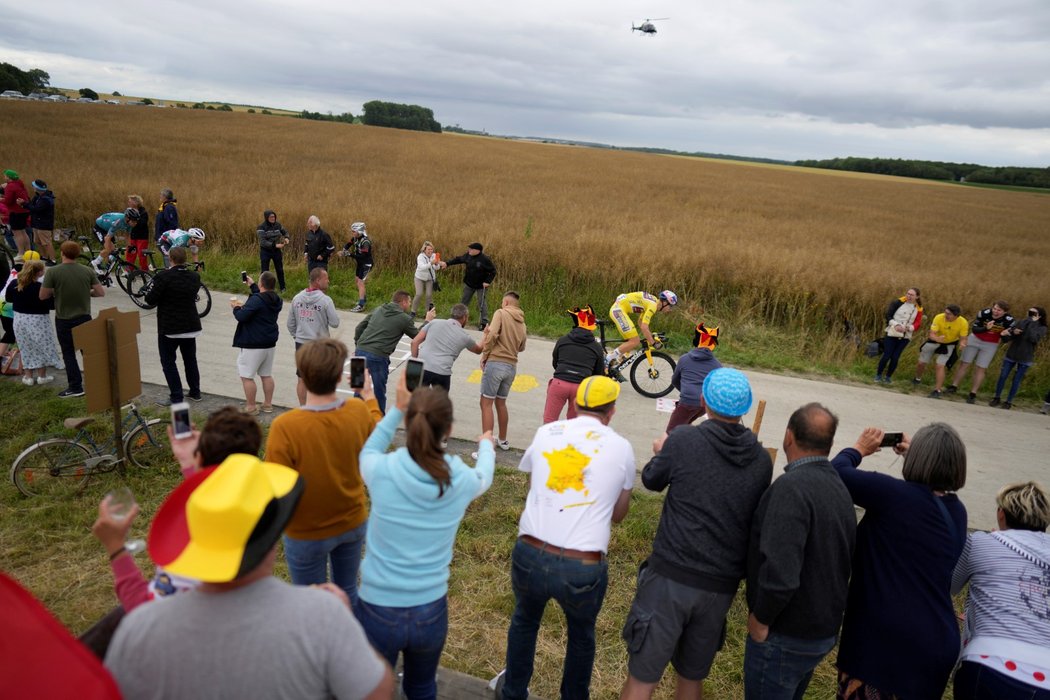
[139,282]
[56,468]
[146,446]
[203,301]
[653,380]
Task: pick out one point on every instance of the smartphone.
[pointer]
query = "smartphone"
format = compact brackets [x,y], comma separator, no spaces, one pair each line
[891,439]
[430,306]
[357,373]
[244,275]
[413,373]
[180,420]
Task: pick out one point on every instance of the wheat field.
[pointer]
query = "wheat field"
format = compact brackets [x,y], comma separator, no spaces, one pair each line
[742,243]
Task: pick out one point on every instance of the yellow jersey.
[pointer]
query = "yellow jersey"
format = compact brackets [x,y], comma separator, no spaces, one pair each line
[642,303]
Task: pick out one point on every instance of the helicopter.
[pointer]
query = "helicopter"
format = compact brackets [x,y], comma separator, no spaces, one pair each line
[647,27]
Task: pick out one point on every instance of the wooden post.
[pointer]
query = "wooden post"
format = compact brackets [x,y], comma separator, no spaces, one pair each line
[114,389]
[758,417]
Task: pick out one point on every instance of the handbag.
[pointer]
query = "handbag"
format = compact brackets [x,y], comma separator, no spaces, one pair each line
[11,363]
[874,348]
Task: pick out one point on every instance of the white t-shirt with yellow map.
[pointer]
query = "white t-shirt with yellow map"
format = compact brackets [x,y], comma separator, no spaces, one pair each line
[579,468]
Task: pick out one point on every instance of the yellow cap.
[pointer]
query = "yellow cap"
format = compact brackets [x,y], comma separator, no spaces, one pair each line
[30,255]
[597,391]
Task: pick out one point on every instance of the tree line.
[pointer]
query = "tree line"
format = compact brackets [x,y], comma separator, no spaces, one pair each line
[25,81]
[938,170]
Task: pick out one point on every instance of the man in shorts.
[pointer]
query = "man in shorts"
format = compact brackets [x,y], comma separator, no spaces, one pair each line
[439,343]
[987,329]
[504,339]
[948,330]
[360,249]
[715,474]
[256,336]
[581,473]
[107,228]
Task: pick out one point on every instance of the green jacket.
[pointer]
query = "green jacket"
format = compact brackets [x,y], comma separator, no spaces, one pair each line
[381,330]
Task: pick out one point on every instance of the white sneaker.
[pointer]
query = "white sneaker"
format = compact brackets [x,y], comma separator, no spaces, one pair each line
[503,444]
[97,268]
[46,379]
[474,456]
[27,380]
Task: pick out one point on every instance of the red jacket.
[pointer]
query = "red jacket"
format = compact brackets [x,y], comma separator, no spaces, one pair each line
[14,191]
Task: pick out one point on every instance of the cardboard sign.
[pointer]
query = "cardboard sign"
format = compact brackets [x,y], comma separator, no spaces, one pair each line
[92,338]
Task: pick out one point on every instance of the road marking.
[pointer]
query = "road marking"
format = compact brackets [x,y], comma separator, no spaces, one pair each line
[522,383]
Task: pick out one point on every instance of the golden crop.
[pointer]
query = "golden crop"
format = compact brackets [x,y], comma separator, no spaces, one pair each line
[779,244]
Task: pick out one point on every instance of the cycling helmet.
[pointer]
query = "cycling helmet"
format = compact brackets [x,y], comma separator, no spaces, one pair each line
[669,296]
[358,227]
[132,213]
[196,234]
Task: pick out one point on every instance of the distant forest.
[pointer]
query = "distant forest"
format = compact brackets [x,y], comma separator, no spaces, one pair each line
[935,170]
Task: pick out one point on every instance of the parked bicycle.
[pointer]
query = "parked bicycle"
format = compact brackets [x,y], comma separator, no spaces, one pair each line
[650,370]
[59,466]
[140,282]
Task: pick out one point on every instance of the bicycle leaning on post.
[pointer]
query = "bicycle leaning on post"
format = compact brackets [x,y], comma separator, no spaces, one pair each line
[57,465]
[650,370]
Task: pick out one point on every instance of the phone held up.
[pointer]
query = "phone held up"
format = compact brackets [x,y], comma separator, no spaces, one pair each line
[244,275]
[180,420]
[891,439]
[357,373]
[413,373]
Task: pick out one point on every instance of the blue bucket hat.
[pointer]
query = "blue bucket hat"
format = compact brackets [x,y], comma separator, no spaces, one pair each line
[727,392]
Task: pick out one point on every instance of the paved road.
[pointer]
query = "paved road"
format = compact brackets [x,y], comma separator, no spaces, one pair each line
[1002,446]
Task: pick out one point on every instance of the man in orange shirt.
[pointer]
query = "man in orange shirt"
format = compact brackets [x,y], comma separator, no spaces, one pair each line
[322,441]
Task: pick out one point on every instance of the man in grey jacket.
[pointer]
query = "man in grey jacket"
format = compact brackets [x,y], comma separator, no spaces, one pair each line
[313,314]
[715,474]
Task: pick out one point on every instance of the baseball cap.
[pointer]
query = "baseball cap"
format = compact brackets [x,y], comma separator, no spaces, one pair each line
[727,392]
[220,523]
[597,391]
[30,255]
[583,317]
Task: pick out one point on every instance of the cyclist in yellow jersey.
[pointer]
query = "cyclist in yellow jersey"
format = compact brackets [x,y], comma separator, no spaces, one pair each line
[645,305]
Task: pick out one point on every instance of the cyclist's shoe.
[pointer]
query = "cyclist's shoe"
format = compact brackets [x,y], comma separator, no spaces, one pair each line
[70,393]
[98,269]
[615,374]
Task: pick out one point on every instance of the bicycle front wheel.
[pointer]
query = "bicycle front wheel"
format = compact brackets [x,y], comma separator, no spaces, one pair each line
[203,301]
[140,282]
[146,446]
[653,380]
[56,468]
[123,272]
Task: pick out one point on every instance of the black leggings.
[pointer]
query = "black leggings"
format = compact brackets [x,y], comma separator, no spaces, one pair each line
[277,256]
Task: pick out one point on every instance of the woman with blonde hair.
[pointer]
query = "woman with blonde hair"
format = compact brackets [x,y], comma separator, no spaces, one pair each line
[903,317]
[427,264]
[1007,631]
[419,494]
[32,324]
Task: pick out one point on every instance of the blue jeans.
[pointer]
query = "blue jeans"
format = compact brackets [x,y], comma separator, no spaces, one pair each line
[1008,364]
[379,369]
[64,332]
[978,682]
[188,347]
[579,588]
[781,667]
[308,560]
[891,353]
[418,632]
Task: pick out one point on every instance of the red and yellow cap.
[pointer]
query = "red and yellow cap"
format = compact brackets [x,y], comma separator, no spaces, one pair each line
[704,337]
[583,317]
[220,523]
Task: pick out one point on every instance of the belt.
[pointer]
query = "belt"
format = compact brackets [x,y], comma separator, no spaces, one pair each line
[562,551]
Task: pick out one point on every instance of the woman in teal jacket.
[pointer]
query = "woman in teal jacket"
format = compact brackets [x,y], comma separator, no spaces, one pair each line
[418,497]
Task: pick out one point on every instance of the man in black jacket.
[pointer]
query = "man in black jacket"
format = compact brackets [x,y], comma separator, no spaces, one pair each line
[477,276]
[715,474]
[798,564]
[319,245]
[256,336]
[174,293]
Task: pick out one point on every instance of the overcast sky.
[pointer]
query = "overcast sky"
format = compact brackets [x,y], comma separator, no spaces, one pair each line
[955,80]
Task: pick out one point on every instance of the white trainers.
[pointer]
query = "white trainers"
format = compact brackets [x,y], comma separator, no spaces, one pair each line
[474,456]
[27,380]
[46,379]
[503,444]
[97,268]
